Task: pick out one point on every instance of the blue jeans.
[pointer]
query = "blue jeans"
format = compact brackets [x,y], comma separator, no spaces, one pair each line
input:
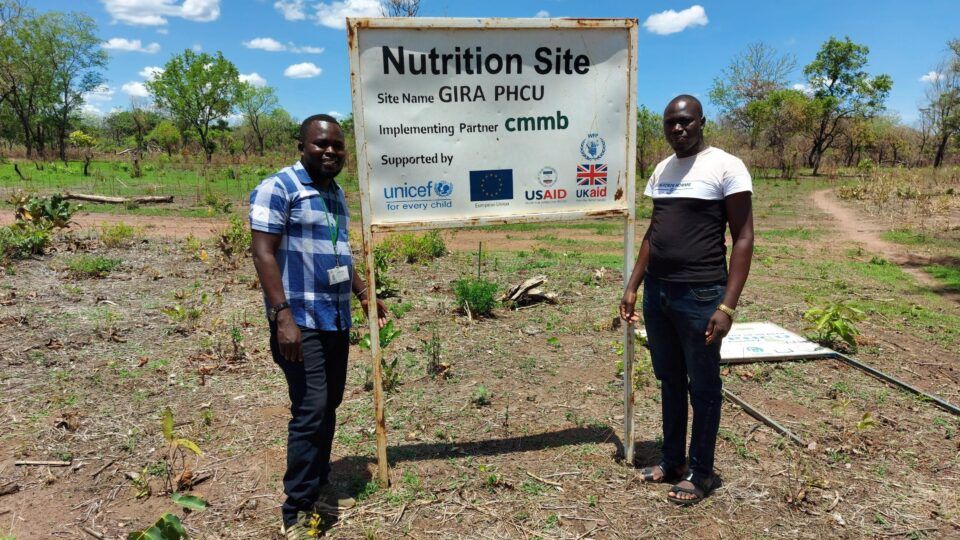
[676,317]
[316,390]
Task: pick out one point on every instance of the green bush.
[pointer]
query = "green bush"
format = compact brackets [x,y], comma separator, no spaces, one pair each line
[834,321]
[53,212]
[476,295]
[21,240]
[118,235]
[411,248]
[91,266]
[236,238]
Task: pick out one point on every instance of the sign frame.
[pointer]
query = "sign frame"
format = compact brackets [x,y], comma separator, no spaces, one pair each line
[627,209]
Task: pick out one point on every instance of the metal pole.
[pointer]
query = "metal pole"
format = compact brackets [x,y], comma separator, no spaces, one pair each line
[945,405]
[749,409]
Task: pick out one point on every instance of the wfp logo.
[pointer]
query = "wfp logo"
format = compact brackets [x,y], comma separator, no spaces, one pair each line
[431,195]
[593,147]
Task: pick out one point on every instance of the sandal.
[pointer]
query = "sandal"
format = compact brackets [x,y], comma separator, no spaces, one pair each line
[700,490]
[667,475]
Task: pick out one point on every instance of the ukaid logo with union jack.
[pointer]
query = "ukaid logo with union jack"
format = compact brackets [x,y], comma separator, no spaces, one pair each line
[591,181]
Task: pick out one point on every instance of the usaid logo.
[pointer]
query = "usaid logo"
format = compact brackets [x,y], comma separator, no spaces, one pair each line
[420,196]
[547,177]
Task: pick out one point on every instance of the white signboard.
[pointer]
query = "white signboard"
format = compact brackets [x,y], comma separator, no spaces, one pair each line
[748,342]
[463,121]
[765,340]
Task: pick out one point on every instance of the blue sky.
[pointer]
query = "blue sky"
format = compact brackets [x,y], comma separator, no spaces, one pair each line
[303,54]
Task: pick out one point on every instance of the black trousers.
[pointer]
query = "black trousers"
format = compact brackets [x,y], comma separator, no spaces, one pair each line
[316,390]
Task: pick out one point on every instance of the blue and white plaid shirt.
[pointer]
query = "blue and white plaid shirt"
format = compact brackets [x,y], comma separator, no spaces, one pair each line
[288,204]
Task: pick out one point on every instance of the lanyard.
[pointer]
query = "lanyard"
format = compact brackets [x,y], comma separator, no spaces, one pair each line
[333,229]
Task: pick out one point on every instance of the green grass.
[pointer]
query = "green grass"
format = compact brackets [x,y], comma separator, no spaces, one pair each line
[91,265]
[793,233]
[949,275]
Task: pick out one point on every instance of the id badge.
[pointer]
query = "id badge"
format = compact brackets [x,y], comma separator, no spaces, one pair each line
[338,274]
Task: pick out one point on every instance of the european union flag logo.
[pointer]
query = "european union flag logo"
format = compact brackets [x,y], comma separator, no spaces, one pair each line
[495,185]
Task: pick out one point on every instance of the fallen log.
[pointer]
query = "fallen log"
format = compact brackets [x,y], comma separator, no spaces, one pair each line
[147,199]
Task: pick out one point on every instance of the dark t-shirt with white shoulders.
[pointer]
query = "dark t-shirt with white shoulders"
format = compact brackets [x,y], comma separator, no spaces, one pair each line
[689,220]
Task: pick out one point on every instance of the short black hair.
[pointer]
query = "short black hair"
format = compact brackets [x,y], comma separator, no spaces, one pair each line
[687,97]
[315,118]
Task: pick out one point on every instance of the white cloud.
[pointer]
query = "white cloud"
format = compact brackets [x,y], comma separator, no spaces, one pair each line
[129,45]
[303,70]
[292,9]
[155,12]
[334,14]
[135,89]
[197,47]
[306,49]
[542,14]
[87,108]
[100,93]
[671,22]
[265,44]
[336,114]
[254,79]
[162,31]
[931,77]
[150,72]
[272,45]
[803,87]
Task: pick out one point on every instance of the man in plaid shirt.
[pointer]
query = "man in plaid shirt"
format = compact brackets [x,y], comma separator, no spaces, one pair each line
[299,219]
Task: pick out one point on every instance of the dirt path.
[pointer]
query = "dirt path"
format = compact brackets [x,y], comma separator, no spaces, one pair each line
[154,226]
[857,228]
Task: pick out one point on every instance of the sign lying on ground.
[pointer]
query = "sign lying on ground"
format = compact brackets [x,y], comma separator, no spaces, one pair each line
[467,120]
[749,342]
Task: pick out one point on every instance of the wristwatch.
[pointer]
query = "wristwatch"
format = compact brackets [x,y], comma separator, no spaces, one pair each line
[728,310]
[275,310]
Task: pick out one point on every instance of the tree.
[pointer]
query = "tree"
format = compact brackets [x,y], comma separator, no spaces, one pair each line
[254,103]
[650,143]
[842,90]
[25,74]
[77,65]
[166,135]
[750,77]
[197,90]
[85,143]
[780,117]
[400,8]
[47,62]
[943,102]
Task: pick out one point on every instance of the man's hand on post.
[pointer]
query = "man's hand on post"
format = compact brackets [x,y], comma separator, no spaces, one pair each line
[718,327]
[288,337]
[628,308]
[381,310]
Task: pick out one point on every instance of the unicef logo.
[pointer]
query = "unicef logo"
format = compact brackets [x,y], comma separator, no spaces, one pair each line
[444,188]
[547,176]
[593,147]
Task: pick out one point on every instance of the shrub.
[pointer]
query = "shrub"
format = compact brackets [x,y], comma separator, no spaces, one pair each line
[833,321]
[53,212]
[22,240]
[118,235]
[91,266]
[410,248]
[475,295]
[236,238]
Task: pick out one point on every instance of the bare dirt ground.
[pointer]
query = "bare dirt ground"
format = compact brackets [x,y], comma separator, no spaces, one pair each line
[89,364]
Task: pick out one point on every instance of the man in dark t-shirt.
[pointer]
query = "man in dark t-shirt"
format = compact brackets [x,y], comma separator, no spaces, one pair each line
[689,297]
